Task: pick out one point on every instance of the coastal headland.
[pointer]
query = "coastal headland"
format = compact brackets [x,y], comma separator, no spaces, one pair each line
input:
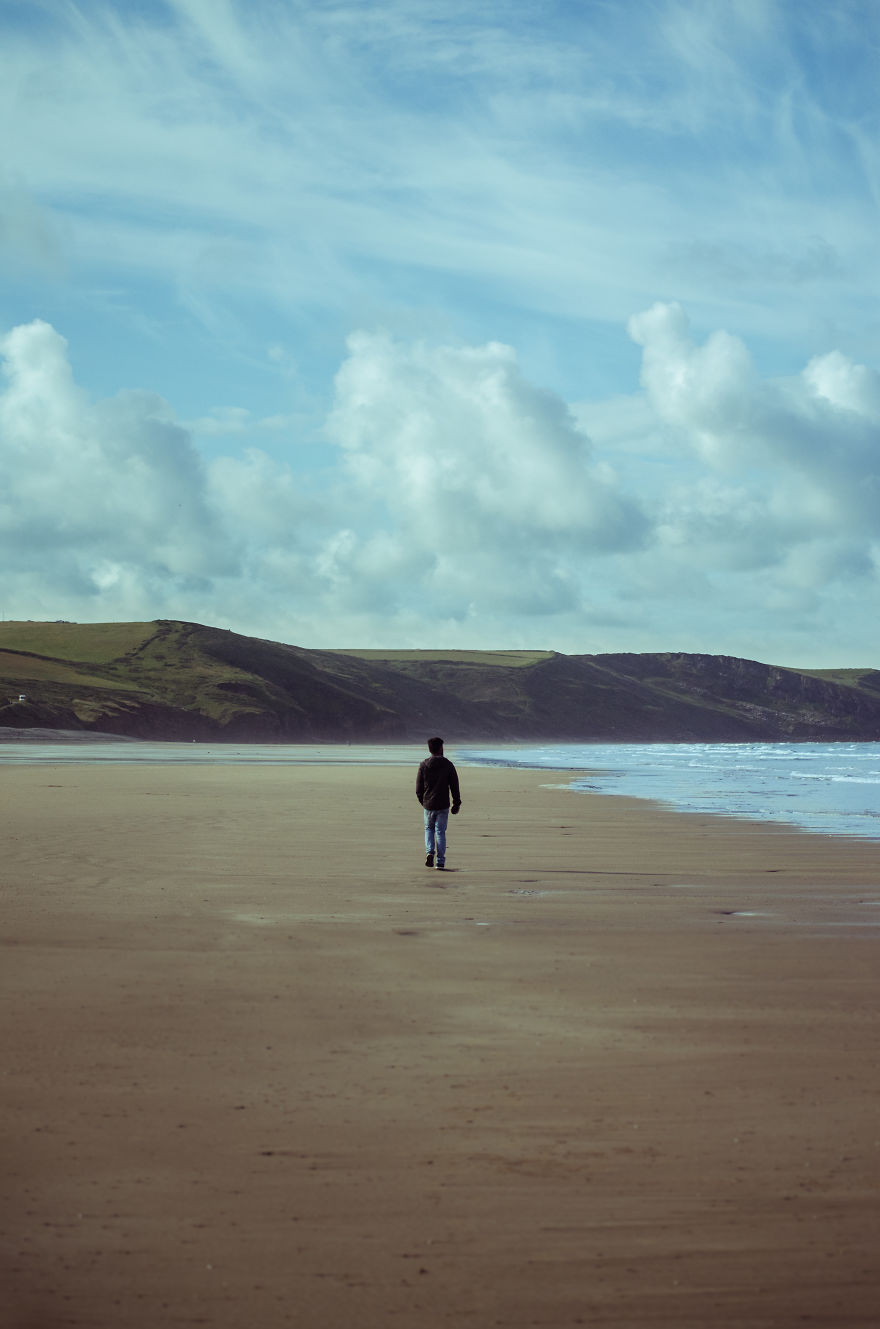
[618,1067]
[176,682]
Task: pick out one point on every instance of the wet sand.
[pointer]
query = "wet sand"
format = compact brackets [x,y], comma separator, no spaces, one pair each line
[619,1067]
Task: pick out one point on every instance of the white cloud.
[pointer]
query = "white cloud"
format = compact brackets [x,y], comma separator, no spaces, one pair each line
[464,506]
[811,443]
[456,440]
[849,387]
[708,390]
[257,499]
[486,480]
[88,486]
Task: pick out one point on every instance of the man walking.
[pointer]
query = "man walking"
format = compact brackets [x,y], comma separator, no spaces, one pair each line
[436,786]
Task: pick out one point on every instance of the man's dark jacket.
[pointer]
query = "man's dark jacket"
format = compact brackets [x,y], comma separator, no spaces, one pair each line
[436,781]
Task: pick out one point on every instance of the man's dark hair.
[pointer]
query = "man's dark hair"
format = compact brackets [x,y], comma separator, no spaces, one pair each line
[435,746]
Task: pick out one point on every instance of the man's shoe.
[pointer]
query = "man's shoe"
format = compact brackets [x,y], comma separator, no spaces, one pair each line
[441,867]
[429,861]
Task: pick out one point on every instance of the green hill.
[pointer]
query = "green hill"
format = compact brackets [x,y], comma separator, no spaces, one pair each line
[180,681]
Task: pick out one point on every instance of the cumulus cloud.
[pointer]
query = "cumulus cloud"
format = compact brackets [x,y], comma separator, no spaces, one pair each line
[848,387]
[460,489]
[707,390]
[487,480]
[809,445]
[95,490]
[461,504]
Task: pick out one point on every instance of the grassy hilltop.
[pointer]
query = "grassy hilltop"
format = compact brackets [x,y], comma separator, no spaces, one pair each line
[174,680]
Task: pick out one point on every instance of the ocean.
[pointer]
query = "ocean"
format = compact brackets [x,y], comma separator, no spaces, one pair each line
[828,788]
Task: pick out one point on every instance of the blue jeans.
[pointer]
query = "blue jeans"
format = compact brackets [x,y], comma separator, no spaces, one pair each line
[435,833]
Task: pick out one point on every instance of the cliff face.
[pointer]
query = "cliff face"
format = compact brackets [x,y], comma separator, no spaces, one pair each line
[183,681]
[743,698]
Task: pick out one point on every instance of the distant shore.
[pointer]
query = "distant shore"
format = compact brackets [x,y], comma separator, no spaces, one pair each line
[261,1066]
[9,735]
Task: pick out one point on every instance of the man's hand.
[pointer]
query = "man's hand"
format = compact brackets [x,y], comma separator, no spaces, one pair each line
[455,811]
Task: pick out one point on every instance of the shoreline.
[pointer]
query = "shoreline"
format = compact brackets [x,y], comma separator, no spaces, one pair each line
[145,752]
[261,1066]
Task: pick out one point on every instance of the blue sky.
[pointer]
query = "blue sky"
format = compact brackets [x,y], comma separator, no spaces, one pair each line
[500,325]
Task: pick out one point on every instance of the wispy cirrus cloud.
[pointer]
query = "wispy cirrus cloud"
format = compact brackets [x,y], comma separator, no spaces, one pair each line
[343,154]
[317,320]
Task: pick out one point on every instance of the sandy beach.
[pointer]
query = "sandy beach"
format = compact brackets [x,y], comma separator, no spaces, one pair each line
[618,1067]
